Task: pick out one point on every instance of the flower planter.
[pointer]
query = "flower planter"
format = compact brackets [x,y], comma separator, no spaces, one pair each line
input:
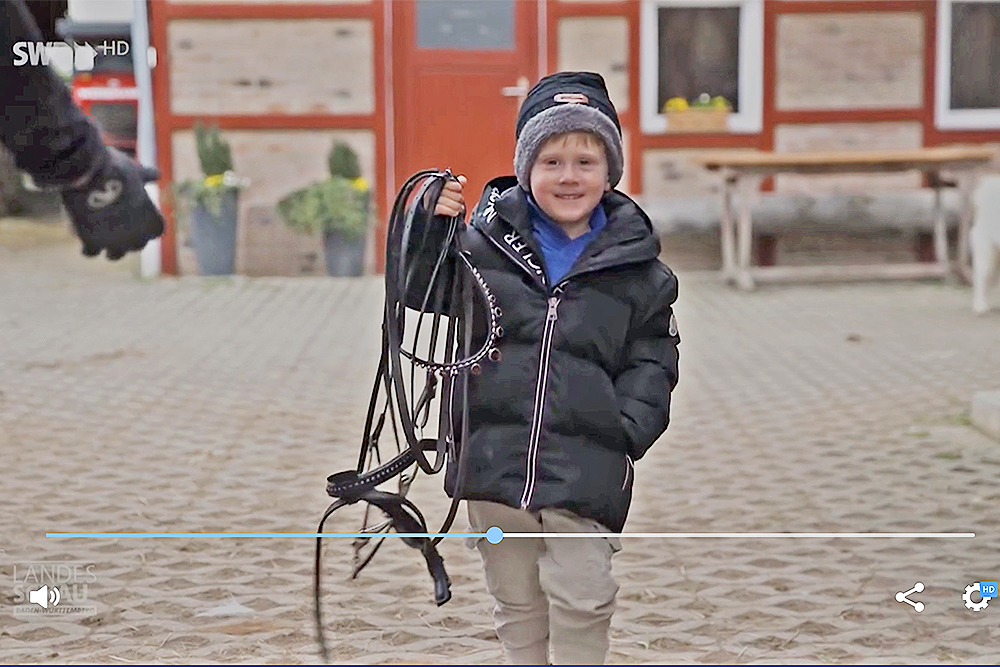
[345,255]
[214,236]
[338,209]
[698,120]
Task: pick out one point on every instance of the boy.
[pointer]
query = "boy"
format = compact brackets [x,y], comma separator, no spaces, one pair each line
[589,358]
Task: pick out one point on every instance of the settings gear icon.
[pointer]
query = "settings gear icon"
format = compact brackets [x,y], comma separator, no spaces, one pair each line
[967,596]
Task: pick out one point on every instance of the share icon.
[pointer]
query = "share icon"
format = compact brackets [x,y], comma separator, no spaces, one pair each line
[917,588]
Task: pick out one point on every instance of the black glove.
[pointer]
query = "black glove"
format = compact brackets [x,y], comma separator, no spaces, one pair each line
[112,211]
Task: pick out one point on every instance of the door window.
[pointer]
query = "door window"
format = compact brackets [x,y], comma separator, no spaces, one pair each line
[467,25]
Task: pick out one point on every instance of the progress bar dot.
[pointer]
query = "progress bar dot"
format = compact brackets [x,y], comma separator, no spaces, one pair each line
[494,534]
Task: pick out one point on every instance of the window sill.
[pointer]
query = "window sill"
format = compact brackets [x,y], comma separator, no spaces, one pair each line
[967,119]
[735,124]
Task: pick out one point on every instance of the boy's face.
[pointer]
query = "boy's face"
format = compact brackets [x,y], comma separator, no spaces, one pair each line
[568,179]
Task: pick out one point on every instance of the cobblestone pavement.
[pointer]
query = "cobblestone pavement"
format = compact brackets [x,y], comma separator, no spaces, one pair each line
[220,405]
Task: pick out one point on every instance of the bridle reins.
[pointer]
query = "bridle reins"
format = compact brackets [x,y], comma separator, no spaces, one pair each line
[416,240]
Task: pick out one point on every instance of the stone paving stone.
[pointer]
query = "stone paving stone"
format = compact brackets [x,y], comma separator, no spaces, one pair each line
[221,404]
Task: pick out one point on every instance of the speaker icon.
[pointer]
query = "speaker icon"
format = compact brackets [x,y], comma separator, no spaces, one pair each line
[44,596]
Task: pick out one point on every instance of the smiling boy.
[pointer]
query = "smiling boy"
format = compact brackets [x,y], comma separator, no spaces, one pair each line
[589,359]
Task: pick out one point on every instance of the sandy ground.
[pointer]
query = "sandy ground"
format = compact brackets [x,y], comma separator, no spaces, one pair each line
[221,404]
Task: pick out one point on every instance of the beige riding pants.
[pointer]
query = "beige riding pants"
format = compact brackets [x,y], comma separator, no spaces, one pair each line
[550,592]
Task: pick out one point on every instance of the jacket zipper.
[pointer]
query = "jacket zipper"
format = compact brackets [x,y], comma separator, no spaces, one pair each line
[551,316]
[539,405]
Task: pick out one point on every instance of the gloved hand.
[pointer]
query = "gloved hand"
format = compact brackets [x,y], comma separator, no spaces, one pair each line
[111,210]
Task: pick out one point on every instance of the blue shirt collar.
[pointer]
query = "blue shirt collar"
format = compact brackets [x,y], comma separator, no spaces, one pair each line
[598,219]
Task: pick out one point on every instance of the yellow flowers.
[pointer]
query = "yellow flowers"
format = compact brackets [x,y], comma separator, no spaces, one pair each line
[225,180]
[703,101]
[675,104]
[360,184]
[720,102]
[207,191]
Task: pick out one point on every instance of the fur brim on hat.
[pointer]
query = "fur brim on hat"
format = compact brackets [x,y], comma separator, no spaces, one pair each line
[561,119]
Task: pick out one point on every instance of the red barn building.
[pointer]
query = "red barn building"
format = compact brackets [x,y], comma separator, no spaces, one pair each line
[411,84]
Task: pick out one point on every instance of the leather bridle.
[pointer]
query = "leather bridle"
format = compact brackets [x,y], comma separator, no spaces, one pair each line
[416,239]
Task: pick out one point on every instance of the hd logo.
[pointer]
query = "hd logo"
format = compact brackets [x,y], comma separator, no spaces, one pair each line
[61,55]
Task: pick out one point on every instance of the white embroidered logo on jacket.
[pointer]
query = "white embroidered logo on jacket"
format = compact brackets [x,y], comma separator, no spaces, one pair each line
[518,245]
[490,211]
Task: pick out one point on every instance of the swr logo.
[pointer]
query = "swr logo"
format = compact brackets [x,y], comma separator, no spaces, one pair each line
[60,54]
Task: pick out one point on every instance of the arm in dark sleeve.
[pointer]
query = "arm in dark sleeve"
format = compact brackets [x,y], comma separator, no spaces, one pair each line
[50,137]
[649,372]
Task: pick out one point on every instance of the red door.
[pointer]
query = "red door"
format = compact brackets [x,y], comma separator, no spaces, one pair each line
[461,69]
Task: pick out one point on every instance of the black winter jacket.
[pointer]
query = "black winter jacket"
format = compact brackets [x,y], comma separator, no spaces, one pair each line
[583,386]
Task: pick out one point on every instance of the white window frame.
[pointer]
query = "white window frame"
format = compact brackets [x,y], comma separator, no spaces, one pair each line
[946,118]
[750,117]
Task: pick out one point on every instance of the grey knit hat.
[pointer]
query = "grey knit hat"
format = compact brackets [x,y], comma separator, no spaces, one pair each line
[567,102]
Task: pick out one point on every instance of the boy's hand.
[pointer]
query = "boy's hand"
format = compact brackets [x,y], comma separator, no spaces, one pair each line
[451,202]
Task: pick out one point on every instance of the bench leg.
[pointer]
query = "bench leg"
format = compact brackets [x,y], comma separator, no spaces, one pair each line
[940,230]
[728,230]
[747,192]
[966,186]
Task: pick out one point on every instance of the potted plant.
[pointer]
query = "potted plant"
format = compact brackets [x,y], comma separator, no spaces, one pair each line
[336,208]
[211,202]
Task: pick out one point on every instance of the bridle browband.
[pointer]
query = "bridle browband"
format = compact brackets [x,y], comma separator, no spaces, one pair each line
[416,240]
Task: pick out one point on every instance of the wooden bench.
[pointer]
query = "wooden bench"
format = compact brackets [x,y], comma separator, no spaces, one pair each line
[743,171]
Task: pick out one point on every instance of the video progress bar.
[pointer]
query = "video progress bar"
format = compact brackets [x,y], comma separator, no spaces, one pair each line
[494,535]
